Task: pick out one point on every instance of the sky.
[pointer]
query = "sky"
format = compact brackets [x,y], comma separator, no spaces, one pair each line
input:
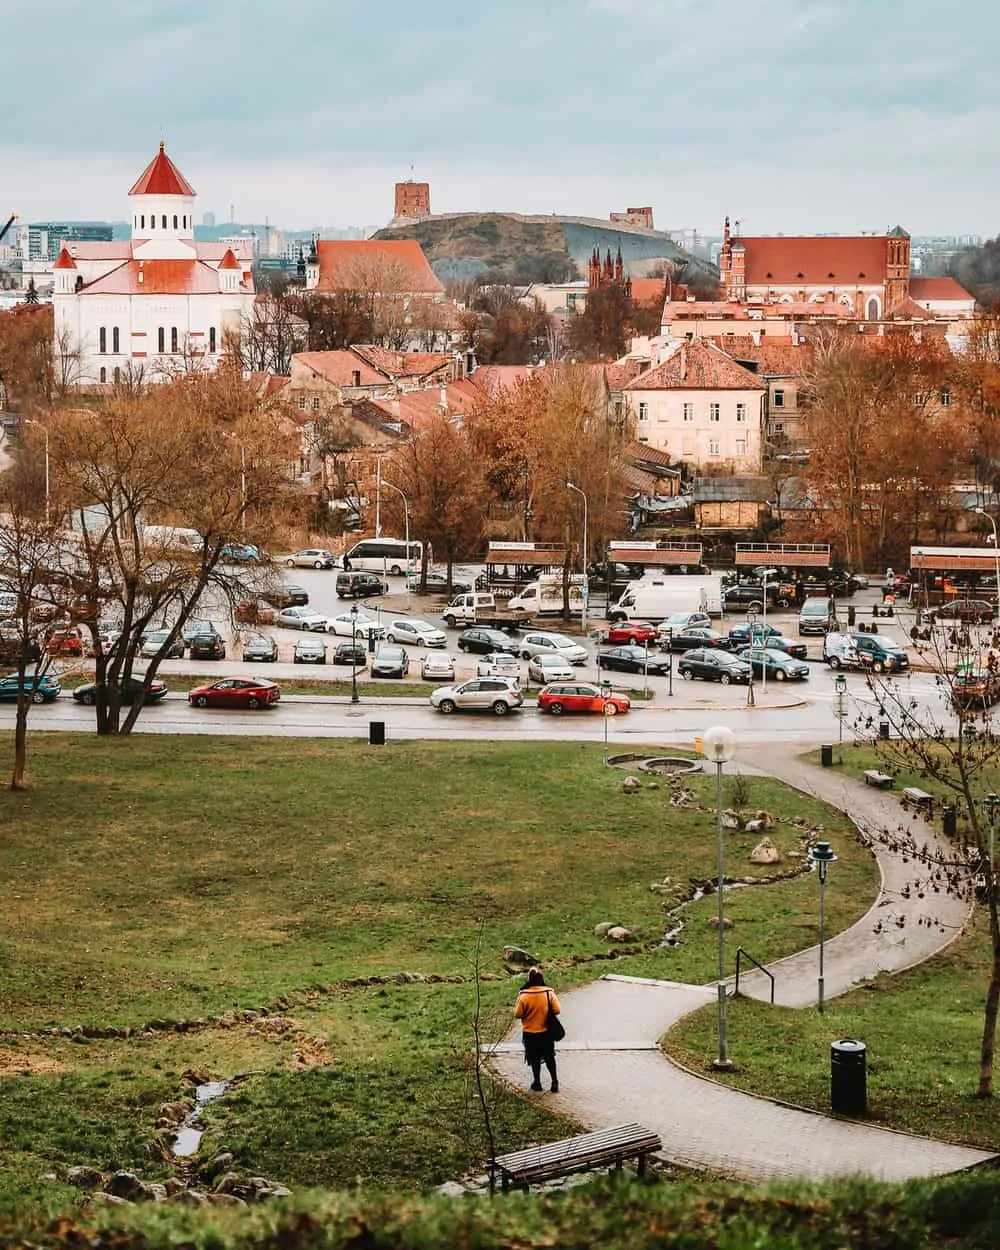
[793,116]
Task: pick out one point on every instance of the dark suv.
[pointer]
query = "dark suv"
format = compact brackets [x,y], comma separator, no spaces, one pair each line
[286,597]
[966,611]
[207,647]
[360,585]
[749,594]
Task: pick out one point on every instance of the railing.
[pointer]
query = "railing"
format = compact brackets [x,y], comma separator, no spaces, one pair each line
[742,954]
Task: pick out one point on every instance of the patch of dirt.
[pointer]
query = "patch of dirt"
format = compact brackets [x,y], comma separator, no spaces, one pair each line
[16,1063]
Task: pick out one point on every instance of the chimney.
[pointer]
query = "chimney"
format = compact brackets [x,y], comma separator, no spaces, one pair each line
[444,398]
[470,363]
[396,412]
[684,362]
[356,377]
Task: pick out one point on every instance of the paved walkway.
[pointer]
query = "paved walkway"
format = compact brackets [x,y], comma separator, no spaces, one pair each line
[612,1070]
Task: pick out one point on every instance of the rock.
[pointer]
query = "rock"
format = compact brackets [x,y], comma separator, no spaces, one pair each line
[156,1192]
[173,1112]
[225,1200]
[125,1185]
[619,934]
[225,1183]
[102,1199]
[217,1164]
[631,785]
[189,1198]
[731,820]
[451,1189]
[83,1177]
[766,819]
[515,955]
[603,929]
[174,1185]
[765,852]
[754,826]
[279,1191]
[713,922]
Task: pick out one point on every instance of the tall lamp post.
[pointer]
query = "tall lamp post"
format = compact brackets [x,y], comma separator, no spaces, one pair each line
[996,548]
[822,856]
[354,653]
[840,710]
[570,486]
[991,805]
[406,527]
[48,493]
[719,745]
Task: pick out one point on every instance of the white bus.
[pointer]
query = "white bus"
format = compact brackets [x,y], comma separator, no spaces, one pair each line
[384,555]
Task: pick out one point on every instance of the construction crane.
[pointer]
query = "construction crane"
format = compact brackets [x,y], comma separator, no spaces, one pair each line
[7,225]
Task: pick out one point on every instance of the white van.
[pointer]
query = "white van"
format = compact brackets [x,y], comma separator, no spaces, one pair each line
[656,598]
[545,597]
[166,536]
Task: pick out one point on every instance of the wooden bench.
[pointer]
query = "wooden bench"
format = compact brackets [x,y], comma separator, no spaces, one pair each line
[609,1148]
[875,777]
[918,798]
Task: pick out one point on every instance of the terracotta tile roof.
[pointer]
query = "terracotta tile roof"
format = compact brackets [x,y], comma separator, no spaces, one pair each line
[811,260]
[492,379]
[938,288]
[159,277]
[642,453]
[340,367]
[622,371]
[909,310]
[649,290]
[64,260]
[229,261]
[162,177]
[111,249]
[401,364]
[697,366]
[773,359]
[374,415]
[348,264]
[418,408]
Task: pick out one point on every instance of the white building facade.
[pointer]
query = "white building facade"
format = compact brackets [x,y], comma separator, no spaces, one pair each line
[160,301]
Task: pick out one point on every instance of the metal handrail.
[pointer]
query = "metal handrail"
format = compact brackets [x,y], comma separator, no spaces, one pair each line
[746,954]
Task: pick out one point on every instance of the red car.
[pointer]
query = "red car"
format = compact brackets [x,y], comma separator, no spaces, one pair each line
[256,612]
[250,692]
[631,631]
[580,696]
[66,642]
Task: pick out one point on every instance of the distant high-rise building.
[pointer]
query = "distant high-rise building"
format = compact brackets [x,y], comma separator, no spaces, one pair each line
[208,219]
[413,199]
[53,234]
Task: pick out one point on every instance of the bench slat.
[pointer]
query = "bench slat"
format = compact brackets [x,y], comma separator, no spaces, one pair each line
[589,1149]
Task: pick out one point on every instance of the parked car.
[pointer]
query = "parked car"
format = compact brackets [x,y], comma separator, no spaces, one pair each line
[286,596]
[534,643]
[311,558]
[581,697]
[743,635]
[242,553]
[975,688]
[777,664]
[713,665]
[154,641]
[965,611]
[260,649]
[411,629]
[207,647]
[67,642]
[390,662]
[358,585]
[256,612]
[192,628]
[248,692]
[485,641]
[619,632]
[41,689]
[549,666]
[347,624]
[437,667]
[353,653]
[634,659]
[303,618]
[309,650]
[698,636]
[750,595]
[778,642]
[11,642]
[498,664]
[865,651]
[156,692]
[817,616]
[437,583]
[498,695]
[677,622]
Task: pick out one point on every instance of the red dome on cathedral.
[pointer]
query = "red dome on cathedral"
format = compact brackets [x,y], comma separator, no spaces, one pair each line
[162,177]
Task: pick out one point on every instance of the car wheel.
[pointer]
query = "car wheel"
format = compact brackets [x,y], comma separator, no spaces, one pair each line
[756,606]
[447,706]
[450,622]
[687,674]
[878,667]
[725,679]
[89,699]
[201,701]
[391,638]
[780,675]
[525,655]
[556,709]
[611,709]
[37,697]
[296,660]
[290,564]
[500,708]
[834,662]
[253,703]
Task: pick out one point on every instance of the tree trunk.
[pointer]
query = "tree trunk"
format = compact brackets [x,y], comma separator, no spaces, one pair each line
[988,1049]
[20,739]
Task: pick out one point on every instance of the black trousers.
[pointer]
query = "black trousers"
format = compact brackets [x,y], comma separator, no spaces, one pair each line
[539,1048]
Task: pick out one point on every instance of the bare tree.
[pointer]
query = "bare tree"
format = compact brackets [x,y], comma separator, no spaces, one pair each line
[270,335]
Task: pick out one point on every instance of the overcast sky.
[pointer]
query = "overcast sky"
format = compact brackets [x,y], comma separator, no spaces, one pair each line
[791,115]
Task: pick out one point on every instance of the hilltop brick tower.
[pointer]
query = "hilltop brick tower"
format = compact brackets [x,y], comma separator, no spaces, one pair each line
[413,199]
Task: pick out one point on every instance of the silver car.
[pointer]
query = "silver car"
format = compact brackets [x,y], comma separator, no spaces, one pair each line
[546,667]
[309,651]
[347,625]
[498,695]
[303,618]
[437,667]
[534,643]
[410,629]
[499,664]
[311,558]
[259,648]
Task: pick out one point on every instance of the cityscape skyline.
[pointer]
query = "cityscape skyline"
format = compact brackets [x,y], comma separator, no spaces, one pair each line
[793,117]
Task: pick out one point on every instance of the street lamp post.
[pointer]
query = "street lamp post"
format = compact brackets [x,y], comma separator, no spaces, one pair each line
[606,689]
[354,653]
[719,745]
[667,635]
[840,710]
[571,486]
[996,548]
[822,856]
[991,805]
[48,493]
[406,527]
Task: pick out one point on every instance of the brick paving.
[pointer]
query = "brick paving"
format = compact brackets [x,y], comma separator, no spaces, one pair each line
[611,1070]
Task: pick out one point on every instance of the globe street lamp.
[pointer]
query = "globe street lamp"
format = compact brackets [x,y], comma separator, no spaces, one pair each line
[571,486]
[719,746]
[354,653]
[840,710]
[822,856]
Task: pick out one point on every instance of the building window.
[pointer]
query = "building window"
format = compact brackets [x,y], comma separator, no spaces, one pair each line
[741,412]
[161,345]
[115,341]
[302,402]
[920,399]
[946,399]
[741,446]
[173,339]
[102,340]
[779,399]
[316,403]
[689,412]
[643,412]
[778,427]
[118,375]
[104,374]
[713,447]
[163,219]
[714,412]
[211,339]
[175,221]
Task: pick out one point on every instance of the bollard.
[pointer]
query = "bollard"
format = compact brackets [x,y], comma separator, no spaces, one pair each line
[376,733]
[848,1077]
[949,820]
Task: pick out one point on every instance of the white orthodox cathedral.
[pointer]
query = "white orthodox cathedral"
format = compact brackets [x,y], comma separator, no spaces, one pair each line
[159,301]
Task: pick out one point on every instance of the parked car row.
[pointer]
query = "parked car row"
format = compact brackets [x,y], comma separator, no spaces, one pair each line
[501,695]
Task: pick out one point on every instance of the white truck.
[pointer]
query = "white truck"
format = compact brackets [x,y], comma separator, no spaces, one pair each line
[544,597]
[167,537]
[657,596]
[481,608]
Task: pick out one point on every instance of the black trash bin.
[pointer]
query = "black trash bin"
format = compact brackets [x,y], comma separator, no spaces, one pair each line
[848,1077]
[883,730]
[949,820]
[826,756]
[376,733]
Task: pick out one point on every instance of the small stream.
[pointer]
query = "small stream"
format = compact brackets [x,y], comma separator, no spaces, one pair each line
[189,1135]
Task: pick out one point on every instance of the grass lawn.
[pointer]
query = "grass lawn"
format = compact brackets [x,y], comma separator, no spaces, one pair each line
[170,879]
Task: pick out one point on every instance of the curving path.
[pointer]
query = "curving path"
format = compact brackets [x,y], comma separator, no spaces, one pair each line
[613,1070]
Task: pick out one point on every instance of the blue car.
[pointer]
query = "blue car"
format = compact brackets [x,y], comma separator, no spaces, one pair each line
[241,553]
[42,689]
